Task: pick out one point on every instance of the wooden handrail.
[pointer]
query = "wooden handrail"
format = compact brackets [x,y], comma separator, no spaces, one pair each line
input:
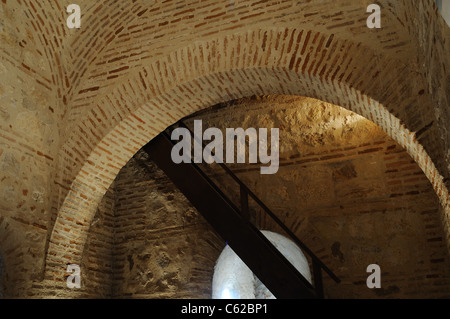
[245,190]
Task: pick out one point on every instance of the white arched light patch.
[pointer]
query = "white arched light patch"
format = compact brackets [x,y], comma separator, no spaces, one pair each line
[234,280]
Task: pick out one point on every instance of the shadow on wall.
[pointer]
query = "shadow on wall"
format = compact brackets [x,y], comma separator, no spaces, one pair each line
[2,276]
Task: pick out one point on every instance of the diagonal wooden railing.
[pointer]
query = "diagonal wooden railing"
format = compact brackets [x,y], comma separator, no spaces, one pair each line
[234,225]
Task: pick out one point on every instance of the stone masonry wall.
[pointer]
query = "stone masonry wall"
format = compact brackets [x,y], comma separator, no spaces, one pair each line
[163,247]
[351,193]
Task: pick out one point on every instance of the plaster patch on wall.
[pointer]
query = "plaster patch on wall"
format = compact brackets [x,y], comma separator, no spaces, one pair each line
[10,164]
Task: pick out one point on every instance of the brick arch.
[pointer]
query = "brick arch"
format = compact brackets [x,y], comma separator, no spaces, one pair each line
[269,61]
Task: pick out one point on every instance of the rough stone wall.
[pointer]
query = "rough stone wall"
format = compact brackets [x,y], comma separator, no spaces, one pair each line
[350,193]
[163,247]
[356,210]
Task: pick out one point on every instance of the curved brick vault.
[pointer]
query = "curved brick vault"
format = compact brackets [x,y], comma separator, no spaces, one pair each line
[134,68]
[169,99]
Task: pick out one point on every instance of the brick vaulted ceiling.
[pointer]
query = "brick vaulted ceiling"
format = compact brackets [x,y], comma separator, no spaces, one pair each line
[135,67]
